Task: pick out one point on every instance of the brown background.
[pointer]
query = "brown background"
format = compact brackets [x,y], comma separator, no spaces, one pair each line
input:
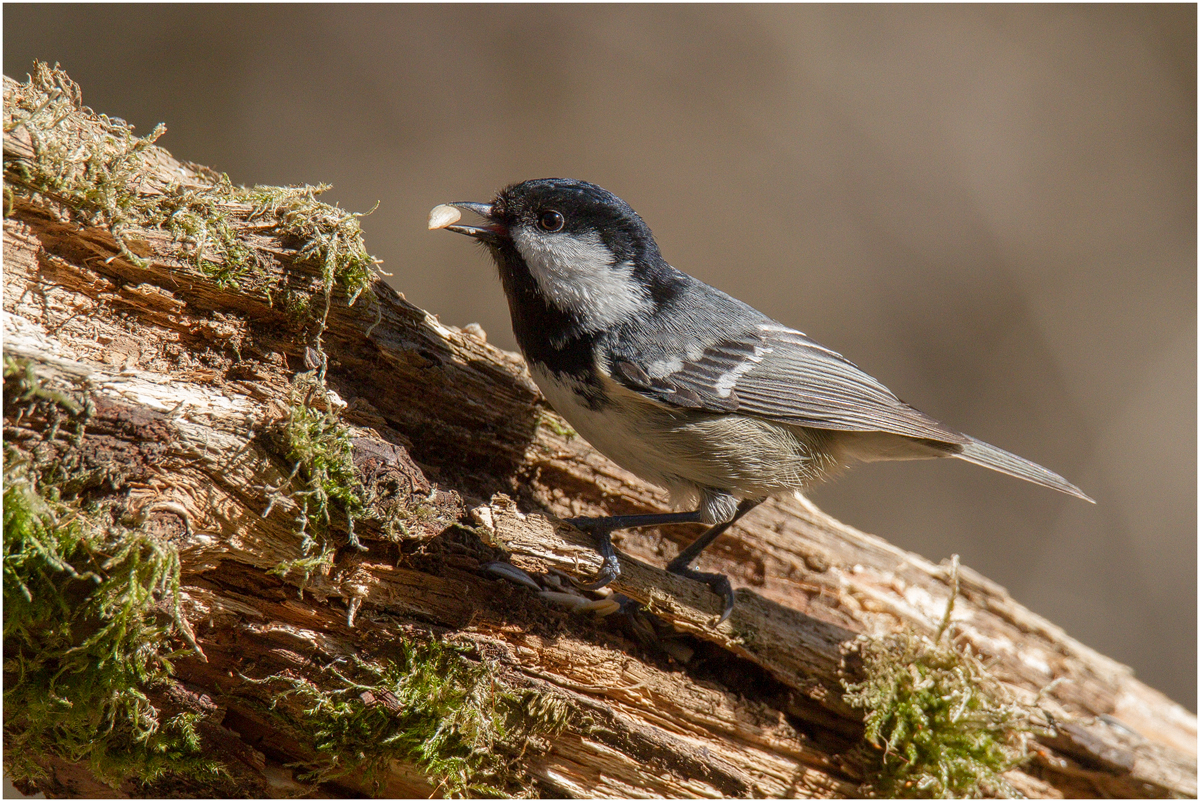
[992,209]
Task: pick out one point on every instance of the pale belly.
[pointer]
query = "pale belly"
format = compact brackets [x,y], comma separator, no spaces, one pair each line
[686,451]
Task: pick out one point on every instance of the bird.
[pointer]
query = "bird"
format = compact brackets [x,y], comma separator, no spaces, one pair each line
[680,383]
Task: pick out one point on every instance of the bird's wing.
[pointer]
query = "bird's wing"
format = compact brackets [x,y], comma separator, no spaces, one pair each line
[769,371]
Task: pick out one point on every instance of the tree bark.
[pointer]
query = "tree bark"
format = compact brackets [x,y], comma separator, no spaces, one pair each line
[181,385]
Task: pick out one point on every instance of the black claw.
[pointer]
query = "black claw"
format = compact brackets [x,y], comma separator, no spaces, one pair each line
[728,608]
[719,584]
[610,569]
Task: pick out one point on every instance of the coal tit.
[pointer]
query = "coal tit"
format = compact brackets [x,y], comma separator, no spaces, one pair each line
[678,382]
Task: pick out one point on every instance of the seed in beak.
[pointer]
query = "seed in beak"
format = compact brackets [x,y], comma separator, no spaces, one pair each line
[442,215]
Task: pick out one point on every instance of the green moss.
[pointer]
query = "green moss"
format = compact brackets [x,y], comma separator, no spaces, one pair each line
[203,222]
[29,387]
[431,707]
[85,638]
[87,169]
[558,426]
[946,728]
[332,237]
[320,449]
[101,174]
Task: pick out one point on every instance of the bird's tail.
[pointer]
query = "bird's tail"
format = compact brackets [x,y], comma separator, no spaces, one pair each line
[998,459]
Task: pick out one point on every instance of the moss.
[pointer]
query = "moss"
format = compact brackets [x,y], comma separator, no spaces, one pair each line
[332,237]
[202,221]
[85,639]
[946,728]
[30,388]
[101,174]
[91,609]
[88,169]
[432,707]
[320,449]
[558,426]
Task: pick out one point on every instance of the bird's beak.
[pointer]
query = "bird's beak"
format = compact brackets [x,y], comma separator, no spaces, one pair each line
[493,231]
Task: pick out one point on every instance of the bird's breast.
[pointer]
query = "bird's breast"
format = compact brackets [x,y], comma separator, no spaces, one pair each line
[685,450]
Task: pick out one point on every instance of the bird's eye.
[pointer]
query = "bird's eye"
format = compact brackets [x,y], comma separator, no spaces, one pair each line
[550,220]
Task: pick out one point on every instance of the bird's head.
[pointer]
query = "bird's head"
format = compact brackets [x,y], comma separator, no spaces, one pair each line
[586,251]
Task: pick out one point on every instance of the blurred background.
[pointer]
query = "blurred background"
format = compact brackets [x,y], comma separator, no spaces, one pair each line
[990,208]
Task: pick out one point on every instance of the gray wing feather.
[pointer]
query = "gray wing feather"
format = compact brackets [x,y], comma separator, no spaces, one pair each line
[770,371]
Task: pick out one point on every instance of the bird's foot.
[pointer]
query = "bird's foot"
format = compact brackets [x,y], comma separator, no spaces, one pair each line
[718,582]
[610,567]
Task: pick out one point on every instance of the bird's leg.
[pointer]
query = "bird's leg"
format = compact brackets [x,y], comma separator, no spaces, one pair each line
[719,583]
[602,528]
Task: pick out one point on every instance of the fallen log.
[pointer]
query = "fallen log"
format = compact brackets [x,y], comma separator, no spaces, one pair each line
[272,530]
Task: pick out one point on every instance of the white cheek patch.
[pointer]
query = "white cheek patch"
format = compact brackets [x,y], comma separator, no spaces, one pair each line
[575,273]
